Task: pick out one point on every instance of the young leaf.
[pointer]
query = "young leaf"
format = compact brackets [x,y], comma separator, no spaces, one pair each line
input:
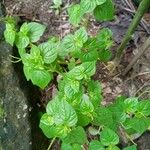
[75,14]
[133,147]
[96,145]
[138,124]
[104,37]
[105,11]
[35,51]
[10,34]
[21,40]
[76,136]
[86,107]
[143,107]
[24,28]
[36,30]
[40,78]
[49,52]
[109,137]
[72,43]
[85,70]
[63,112]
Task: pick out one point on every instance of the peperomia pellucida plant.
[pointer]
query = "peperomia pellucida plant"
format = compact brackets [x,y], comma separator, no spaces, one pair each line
[76,110]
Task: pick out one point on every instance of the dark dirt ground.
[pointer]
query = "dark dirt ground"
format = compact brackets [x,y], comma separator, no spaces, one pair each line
[135,83]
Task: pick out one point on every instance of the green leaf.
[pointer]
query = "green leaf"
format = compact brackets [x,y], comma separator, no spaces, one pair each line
[72,43]
[118,110]
[88,56]
[139,125]
[105,38]
[36,30]
[88,5]
[46,124]
[40,78]
[35,51]
[10,33]
[96,145]
[104,55]
[109,137]
[63,112]
[77,136]
[85,70]
[131,104]
[67,146]
[86,107]
[105,11]
[76,73]
[24,28]
[103,117]
[83,120]
[89,68]
[143,107]
[133,147]
[75,14]
[94,91]
[80,36]
[100,2]
[49,52]
[71,87]
[21,40]
[113,148]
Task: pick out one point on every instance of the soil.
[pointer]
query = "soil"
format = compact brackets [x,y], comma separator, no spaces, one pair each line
[135,83]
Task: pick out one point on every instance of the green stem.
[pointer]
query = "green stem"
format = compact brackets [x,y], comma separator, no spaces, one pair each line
[143,7]
[51,143]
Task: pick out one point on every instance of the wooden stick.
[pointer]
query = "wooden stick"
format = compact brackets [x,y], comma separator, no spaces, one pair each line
[141,51]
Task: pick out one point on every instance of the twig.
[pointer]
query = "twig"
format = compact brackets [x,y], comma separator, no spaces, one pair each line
[143,93]
[141,51]
[141,87]
[139,74]
[50,145]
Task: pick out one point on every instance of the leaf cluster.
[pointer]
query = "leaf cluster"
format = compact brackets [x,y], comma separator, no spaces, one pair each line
[103,10]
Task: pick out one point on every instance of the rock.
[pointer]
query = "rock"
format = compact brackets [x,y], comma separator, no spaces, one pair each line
[18,126]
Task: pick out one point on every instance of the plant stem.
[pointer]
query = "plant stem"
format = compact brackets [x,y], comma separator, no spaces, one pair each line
[143,7]
[51,143]
[142,49]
